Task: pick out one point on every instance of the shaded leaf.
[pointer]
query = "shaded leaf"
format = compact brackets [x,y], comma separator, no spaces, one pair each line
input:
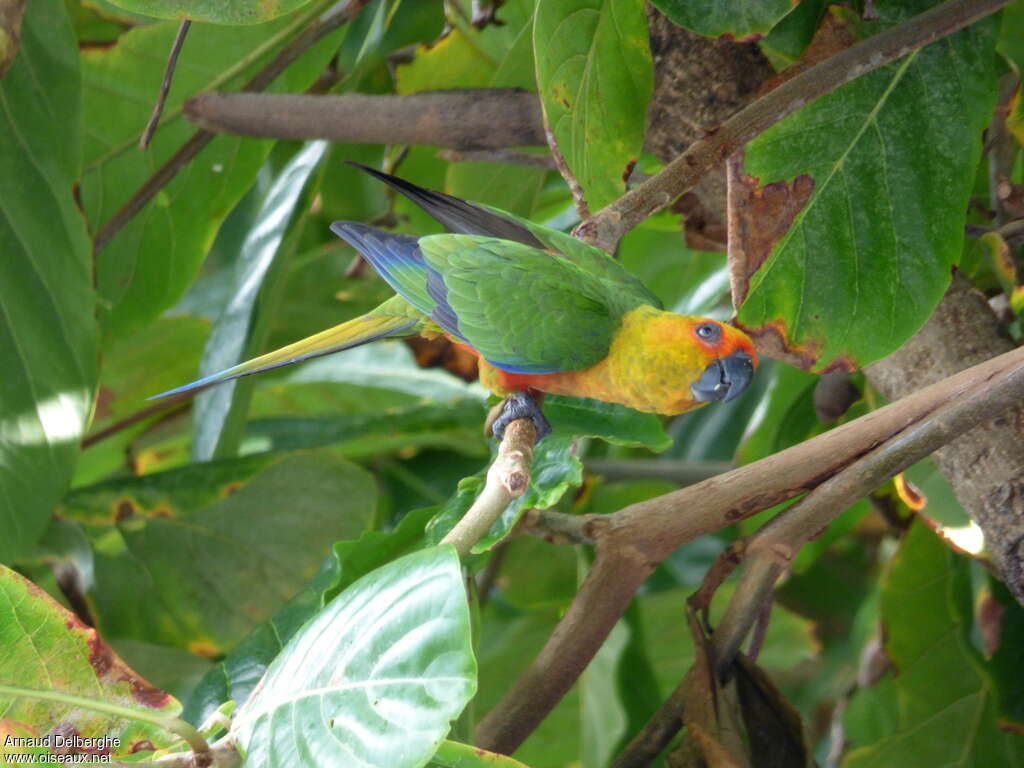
[213,11]
[377,676]
[46,648]
[195,557]
[946,700]
[584,417]
[737,19]
[594,76]
[47,330]
[456,426]
[875,179]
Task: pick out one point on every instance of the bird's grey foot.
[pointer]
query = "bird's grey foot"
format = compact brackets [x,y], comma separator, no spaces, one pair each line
[521,405]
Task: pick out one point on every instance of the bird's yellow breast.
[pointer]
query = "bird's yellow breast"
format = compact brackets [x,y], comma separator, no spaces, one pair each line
[654,358]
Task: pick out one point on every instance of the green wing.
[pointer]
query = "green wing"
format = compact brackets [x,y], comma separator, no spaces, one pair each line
[478,219]
[585,256]
[524,310]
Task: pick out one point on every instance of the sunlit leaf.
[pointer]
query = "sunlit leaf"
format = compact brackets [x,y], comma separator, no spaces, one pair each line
[47,649]
[594,75]
[375,679]
[220,411]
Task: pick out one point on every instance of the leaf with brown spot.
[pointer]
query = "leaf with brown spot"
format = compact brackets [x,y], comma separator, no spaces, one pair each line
[46,648]
[759,216]
[891,159]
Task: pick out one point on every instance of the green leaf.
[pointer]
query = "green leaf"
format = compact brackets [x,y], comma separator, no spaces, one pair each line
[507,646]
[594,73]
[617,424]
[47,329]
[452,754]
[219,412]
[790,37]
[194,558]
[214,11]
[147,267]
[374,549]
[455,426]
[236,676]
[877,177]
[375,678]
[48,650]
[946,701]
[738,19]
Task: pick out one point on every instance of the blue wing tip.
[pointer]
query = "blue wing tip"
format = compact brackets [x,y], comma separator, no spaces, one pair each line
[191,386]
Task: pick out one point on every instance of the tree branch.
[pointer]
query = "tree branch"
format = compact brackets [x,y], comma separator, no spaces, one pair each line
[507,479]
[608,225]
[467,119]
[779,541]
[631,542]
[330,20]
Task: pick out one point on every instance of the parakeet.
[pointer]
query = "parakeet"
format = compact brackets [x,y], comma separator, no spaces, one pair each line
[543,312]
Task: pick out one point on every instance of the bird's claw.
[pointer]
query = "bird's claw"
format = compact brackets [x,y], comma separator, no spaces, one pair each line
[521,405]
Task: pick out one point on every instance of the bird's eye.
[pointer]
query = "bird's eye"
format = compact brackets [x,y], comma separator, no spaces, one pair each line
[708,332]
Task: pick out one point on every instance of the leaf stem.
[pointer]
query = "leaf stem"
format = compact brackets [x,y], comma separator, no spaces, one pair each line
[165,86]
[175,725]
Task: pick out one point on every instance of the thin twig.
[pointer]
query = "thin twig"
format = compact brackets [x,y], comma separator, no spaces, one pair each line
[557,527]
[131,419]
[609,224]
[578,197]
[507,479]
[329,21]
[165,86]
[630,543]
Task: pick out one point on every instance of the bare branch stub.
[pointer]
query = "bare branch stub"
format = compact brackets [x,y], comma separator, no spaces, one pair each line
[507,479]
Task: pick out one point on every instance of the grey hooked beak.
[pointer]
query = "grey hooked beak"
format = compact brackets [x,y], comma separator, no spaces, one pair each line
[725,379]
